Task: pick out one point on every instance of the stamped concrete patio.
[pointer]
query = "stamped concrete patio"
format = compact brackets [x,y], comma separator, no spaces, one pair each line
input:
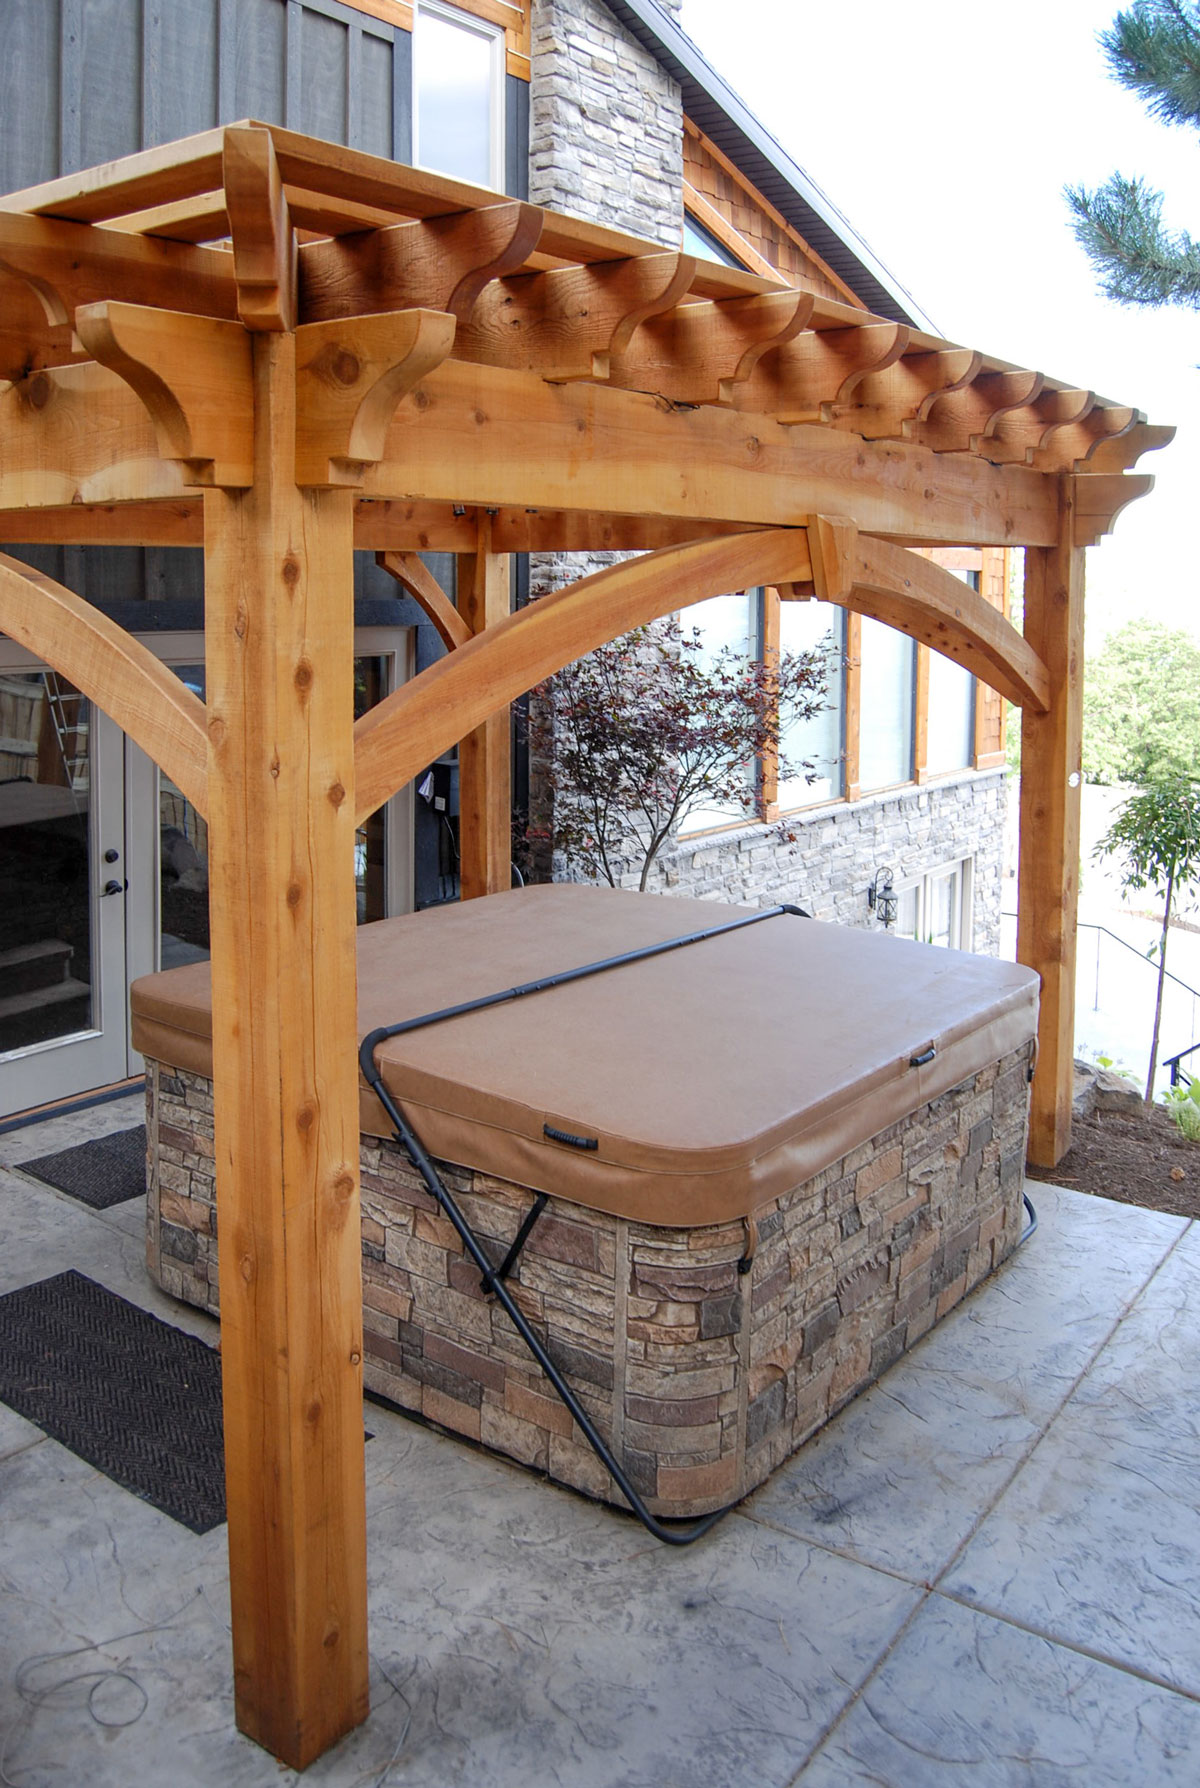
[986,1569]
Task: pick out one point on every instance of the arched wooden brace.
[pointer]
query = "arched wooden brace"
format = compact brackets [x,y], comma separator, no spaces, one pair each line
[113,669]
[424,718]
[917,597]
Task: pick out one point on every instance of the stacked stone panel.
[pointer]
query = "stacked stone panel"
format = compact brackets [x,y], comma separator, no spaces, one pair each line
[704,1356]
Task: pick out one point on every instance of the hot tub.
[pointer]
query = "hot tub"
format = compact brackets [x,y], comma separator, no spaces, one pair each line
[773,1160]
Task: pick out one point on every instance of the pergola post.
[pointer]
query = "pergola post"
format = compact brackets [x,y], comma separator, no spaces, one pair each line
[1048,872]
[279,647]
[485,754]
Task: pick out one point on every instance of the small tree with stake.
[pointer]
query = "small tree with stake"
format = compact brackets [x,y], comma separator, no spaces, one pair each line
[644,731]
[1157,833]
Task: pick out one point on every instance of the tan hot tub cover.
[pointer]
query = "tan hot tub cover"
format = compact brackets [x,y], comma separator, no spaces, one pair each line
[713,1079]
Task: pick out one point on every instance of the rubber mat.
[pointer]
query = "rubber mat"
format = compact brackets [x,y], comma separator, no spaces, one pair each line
[105,1171]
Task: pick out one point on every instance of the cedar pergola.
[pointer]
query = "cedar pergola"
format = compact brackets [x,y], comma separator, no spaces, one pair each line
[283,350]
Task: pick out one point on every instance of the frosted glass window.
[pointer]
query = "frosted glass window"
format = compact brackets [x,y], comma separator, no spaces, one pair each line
[723,621]
[458,82]
[815,627]
[885,748]
[950,741]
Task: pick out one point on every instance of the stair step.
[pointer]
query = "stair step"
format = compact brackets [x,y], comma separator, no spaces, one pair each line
[16,1003]
[28,967]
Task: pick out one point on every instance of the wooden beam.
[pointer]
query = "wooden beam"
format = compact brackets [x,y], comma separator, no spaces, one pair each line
[438,263]
[69,264]
[153,177]
[485,753]
[350,378]
[413,575]
[180,523]
[821,368]
[279,644]
[264,241]
[1048,868]
[192,374]
[124,679]
[937,609]
[79,435]
[436,709]
[487,436]
[571,323]
[700,353]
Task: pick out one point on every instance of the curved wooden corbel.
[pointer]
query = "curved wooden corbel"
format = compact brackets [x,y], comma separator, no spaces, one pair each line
[417,723]
[434,263]
[350,375]
[112,669]
[195,377]
[412,573]
[931,605]
[701,353]
[1099,499]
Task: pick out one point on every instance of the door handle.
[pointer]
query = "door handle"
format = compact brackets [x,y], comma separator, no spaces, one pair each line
[113,887]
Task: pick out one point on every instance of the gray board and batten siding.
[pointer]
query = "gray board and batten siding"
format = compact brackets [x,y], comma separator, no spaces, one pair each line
[87,81]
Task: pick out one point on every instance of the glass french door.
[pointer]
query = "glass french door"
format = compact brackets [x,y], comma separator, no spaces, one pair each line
[62,891]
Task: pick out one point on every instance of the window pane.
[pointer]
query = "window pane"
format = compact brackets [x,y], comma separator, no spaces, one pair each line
[886,728]
[809,627]
[454,74]
[724,621]
[699,241]
[45,831]
[950,742]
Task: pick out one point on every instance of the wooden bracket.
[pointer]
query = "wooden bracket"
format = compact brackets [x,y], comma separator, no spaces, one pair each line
[1121,453]
[957,418]
[832,544]
[1072,443]
[700,353]
[264,242]
[821,368]
[570,323]
[886,404]
[412,573]
[1100,498]
[436,263]
[114,670]
[195,377]
[350,375]
[1013,437]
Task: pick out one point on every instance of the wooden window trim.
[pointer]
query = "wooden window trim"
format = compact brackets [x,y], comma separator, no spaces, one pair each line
[852,788]
[921,718]
[768,210]
[513,20]
[719,226]
[768,787]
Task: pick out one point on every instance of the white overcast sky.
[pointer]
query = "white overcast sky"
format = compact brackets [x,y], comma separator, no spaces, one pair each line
[944,130]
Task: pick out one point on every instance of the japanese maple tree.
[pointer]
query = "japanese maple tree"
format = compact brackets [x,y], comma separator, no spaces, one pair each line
[645,731]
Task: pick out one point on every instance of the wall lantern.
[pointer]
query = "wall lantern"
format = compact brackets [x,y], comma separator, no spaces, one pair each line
[881,896]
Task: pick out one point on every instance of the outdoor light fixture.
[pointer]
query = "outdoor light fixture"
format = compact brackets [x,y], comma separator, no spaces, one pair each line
[881,896]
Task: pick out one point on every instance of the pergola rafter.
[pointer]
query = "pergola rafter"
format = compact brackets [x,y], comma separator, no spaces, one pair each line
[282,350]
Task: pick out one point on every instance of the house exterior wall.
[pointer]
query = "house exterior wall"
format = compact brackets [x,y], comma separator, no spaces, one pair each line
[608,142]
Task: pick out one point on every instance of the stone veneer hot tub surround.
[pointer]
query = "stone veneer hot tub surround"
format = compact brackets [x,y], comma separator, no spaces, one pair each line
[703,1377]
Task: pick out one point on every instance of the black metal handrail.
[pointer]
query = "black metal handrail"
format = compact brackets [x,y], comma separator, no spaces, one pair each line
[1172,1062]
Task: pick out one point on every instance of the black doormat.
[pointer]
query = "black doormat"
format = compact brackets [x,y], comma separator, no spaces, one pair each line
[136,1398]
[108,1170]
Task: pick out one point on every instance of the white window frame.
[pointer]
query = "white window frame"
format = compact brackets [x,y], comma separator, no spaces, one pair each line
[962,927]
[494,36]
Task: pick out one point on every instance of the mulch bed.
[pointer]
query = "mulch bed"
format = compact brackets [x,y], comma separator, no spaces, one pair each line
[1131,1158]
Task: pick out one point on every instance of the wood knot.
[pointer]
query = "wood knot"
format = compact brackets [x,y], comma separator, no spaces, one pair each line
[343,1186]
[291,570]
[295,895]
[331,1639]
[337,794]
[481,417]
[345,367]
[355,1357]
[274,766]
[421,400]
[312,1414]
[305,1117]
[304,676]
[39,391]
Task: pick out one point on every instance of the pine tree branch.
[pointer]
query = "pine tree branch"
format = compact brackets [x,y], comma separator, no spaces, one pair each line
[1153,50]
[1120,228]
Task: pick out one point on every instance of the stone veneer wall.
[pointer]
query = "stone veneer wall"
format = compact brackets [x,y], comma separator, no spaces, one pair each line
[605,123]
[835,851]
[701,1377]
